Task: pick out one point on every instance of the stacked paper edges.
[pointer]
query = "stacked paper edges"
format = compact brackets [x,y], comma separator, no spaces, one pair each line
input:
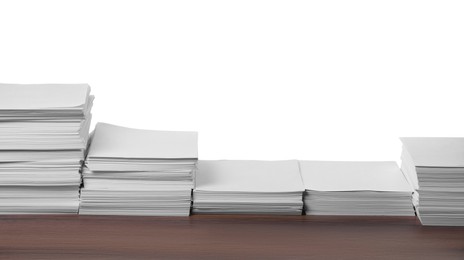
[435,167]
[139,172]
[248,187]
[43,135]
[355,188]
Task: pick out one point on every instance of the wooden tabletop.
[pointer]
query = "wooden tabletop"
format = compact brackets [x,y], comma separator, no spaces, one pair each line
[225,237]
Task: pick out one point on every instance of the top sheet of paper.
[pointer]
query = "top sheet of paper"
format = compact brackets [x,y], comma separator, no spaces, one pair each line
[435,151]
[111,141]
[42,96]
[353,176]
[249,176]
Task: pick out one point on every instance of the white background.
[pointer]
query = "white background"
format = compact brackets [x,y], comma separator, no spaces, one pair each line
[338,80]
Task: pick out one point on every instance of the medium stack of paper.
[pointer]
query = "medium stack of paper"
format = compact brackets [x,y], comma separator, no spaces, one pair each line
[248,187]
[139,172]
[43,135]
[355,188]
[435,167]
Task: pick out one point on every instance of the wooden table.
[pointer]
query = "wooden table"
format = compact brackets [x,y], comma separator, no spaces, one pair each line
[226,237]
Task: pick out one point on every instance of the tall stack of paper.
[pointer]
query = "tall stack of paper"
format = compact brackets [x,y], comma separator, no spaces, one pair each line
[355,188]
[139,172]
[435,167]
[43,135]
[248,187]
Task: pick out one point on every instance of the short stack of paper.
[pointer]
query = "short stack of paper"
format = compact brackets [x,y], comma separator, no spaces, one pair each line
[43,135]
[355,188]
[248,187]
[139,172]
[435,167]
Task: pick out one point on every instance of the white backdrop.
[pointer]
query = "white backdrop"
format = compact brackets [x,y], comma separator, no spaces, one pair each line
[337,80]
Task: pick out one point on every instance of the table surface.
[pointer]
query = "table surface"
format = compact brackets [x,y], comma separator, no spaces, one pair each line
[225,237]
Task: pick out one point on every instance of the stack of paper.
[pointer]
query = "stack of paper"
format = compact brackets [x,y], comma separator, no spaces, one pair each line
[139,172]
[43,135]
[435,167]
[355,188]
[253,187]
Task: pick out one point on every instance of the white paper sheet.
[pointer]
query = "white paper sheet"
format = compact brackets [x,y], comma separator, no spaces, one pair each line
[435,151]
[353,176]
[249,176]
[111,141]
[42,96]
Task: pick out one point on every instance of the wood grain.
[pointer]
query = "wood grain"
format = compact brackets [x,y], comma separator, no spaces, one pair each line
[225,237]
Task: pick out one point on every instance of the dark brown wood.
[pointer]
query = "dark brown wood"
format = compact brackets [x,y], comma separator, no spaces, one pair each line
[226,237]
